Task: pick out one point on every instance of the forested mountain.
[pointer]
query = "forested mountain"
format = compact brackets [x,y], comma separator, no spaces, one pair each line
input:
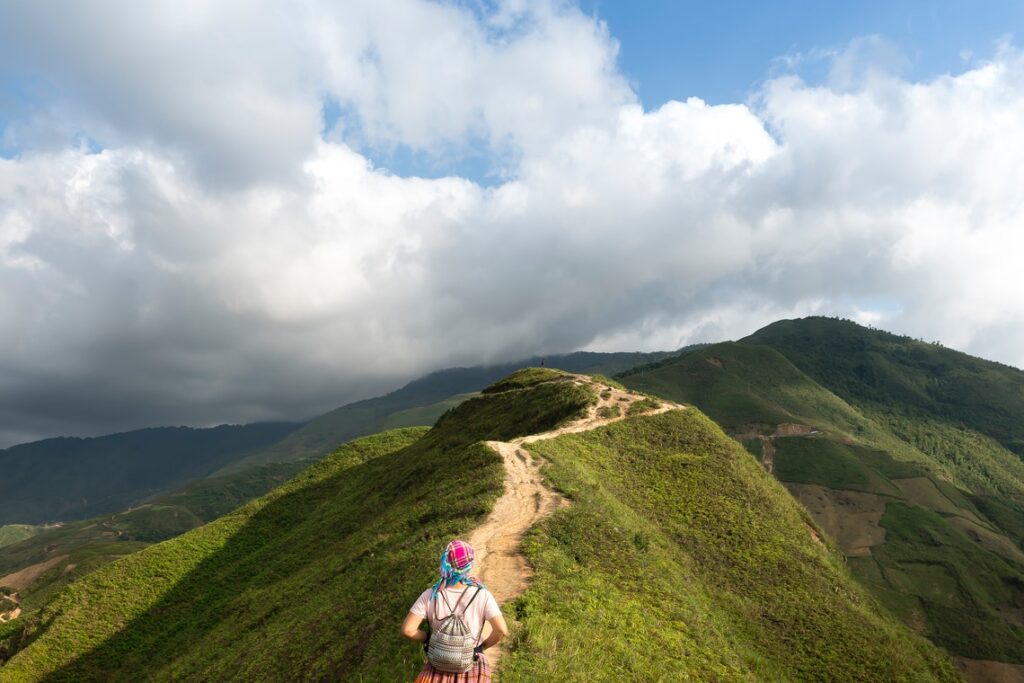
[902,452]
[71,478]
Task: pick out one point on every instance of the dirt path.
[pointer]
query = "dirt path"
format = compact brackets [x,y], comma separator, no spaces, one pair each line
[527,499]
[10,607]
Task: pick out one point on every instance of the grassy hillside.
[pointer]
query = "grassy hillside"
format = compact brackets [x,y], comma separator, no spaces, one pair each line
[742,386]
[57,555]
[872,367]
[12,533]
[71,478]
[422,401]
[680,555]
[925,511]
[679,558]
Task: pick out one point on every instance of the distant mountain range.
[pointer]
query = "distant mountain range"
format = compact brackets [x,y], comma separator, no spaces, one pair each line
[65,479]
[72,478]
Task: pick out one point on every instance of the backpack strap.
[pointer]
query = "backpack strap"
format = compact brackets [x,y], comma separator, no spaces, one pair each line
[481,634]
[446,603]
[451,610]
[478,589]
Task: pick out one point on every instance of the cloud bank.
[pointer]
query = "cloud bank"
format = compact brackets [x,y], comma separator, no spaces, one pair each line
[193,229]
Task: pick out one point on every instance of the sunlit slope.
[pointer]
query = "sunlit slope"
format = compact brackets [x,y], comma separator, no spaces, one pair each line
[872,367]
[741,385]
[422,401]
[923,531]
[680,559]
[678,555]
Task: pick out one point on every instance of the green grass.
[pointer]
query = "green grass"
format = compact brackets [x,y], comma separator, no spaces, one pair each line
[966,587]
[731,380]
[681,559]
[901,425]
[522,379]
[278,589]
[754,388]
[608,412]
[825,462]
[252,595]
[871,367]
[644,405]
[504,415]
[13,533]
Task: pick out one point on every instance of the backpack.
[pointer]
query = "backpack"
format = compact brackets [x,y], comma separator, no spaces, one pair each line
[451,646]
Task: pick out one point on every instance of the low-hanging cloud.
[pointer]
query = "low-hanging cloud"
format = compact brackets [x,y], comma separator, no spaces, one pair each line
[229,255]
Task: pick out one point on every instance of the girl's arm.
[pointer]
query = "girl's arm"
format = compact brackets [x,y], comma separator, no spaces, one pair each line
[411,628]
[499,629]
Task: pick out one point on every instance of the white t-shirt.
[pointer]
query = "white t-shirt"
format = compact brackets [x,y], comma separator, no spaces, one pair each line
[483,608]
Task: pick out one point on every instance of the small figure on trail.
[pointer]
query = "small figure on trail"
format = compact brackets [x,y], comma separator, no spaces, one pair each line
[456,609]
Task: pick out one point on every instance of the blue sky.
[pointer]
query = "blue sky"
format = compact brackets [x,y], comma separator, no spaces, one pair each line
[721,51]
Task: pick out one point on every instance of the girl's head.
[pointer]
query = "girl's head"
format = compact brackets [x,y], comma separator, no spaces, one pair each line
[456,563]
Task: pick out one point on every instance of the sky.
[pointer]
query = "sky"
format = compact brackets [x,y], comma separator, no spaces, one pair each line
[228,211]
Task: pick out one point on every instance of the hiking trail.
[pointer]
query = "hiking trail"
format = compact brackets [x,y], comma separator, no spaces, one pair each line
[527,499]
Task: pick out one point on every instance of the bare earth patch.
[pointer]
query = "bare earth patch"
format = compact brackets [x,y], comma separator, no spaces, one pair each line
[527,499]
[23,578]
[768,453]
[850,517]
[793,429]
[982,671]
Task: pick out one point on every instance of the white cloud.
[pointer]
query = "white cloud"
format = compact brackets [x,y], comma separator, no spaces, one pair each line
[221,259]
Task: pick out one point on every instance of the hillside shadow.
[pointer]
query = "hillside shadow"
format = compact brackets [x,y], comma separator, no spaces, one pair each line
[289,534]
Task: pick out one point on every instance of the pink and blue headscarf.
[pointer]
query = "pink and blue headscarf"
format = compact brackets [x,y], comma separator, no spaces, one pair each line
[456,563]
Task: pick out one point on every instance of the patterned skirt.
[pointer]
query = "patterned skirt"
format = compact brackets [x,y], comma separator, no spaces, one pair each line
[480,673]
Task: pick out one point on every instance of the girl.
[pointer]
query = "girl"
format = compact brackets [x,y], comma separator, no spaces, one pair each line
[454,591]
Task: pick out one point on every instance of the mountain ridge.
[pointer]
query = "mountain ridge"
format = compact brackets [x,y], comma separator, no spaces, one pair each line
[384,504]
